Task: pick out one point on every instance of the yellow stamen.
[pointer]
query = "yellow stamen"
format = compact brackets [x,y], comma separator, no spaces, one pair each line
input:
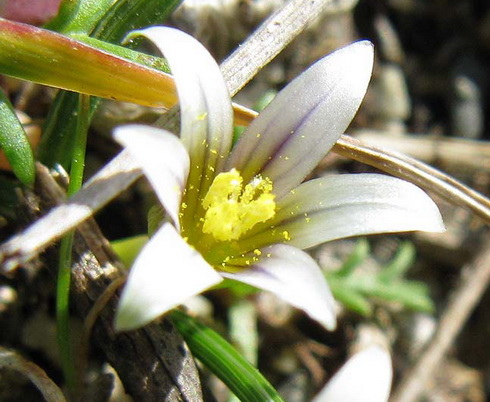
[232,210]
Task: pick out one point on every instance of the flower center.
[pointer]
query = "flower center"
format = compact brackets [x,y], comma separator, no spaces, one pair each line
[232,210]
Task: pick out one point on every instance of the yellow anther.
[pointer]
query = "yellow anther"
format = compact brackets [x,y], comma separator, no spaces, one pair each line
[232,210]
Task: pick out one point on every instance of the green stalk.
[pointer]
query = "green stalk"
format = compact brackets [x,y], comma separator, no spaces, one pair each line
[63,311]
[64,273]
[243,379]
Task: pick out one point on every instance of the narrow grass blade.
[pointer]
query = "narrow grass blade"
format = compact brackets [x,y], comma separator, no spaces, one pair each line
[244,380]
[48,58]
[79,15]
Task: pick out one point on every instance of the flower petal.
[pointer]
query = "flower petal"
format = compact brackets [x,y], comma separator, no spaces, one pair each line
[366,377]
[334,207]
[206,111]
[288,139]
[295,277]
[164,275]
[164,161]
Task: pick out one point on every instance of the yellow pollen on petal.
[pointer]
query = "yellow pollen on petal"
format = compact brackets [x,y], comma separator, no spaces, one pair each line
[232,209]
[307,218]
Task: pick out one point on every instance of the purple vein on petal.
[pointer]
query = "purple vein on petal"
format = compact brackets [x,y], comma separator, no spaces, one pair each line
[334,207]
[288,139]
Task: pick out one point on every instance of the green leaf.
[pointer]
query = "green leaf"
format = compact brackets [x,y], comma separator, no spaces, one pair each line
[244,380]
[129,15]
[79,15]
[14,142]
[48,58]
[410,294]
[57,143]
[124,52]
[349,297]
[401,262]
[360,253]
[357,291]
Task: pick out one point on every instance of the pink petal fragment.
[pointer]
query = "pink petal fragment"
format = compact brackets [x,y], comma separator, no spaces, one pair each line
[164,161]
[164,275]
[366,377]
[30,12]
[288,139]
[294,276]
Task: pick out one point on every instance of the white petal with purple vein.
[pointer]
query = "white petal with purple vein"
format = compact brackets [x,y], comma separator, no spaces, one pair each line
[206,111]
[288,139]
[335,207]
[163,159]
[366,377]
[166,273]
[295,277]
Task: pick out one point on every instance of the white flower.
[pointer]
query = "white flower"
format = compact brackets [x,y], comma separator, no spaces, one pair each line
[243,213]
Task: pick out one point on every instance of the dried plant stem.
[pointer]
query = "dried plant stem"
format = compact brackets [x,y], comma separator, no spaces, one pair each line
[12,360]
[456,153]
[88,325]
[419,173]
[273,36]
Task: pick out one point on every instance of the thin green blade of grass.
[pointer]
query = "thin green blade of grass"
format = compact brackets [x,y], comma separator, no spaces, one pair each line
[127,15]
[48,58]
[64,271]
[79,15]
[243,379]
